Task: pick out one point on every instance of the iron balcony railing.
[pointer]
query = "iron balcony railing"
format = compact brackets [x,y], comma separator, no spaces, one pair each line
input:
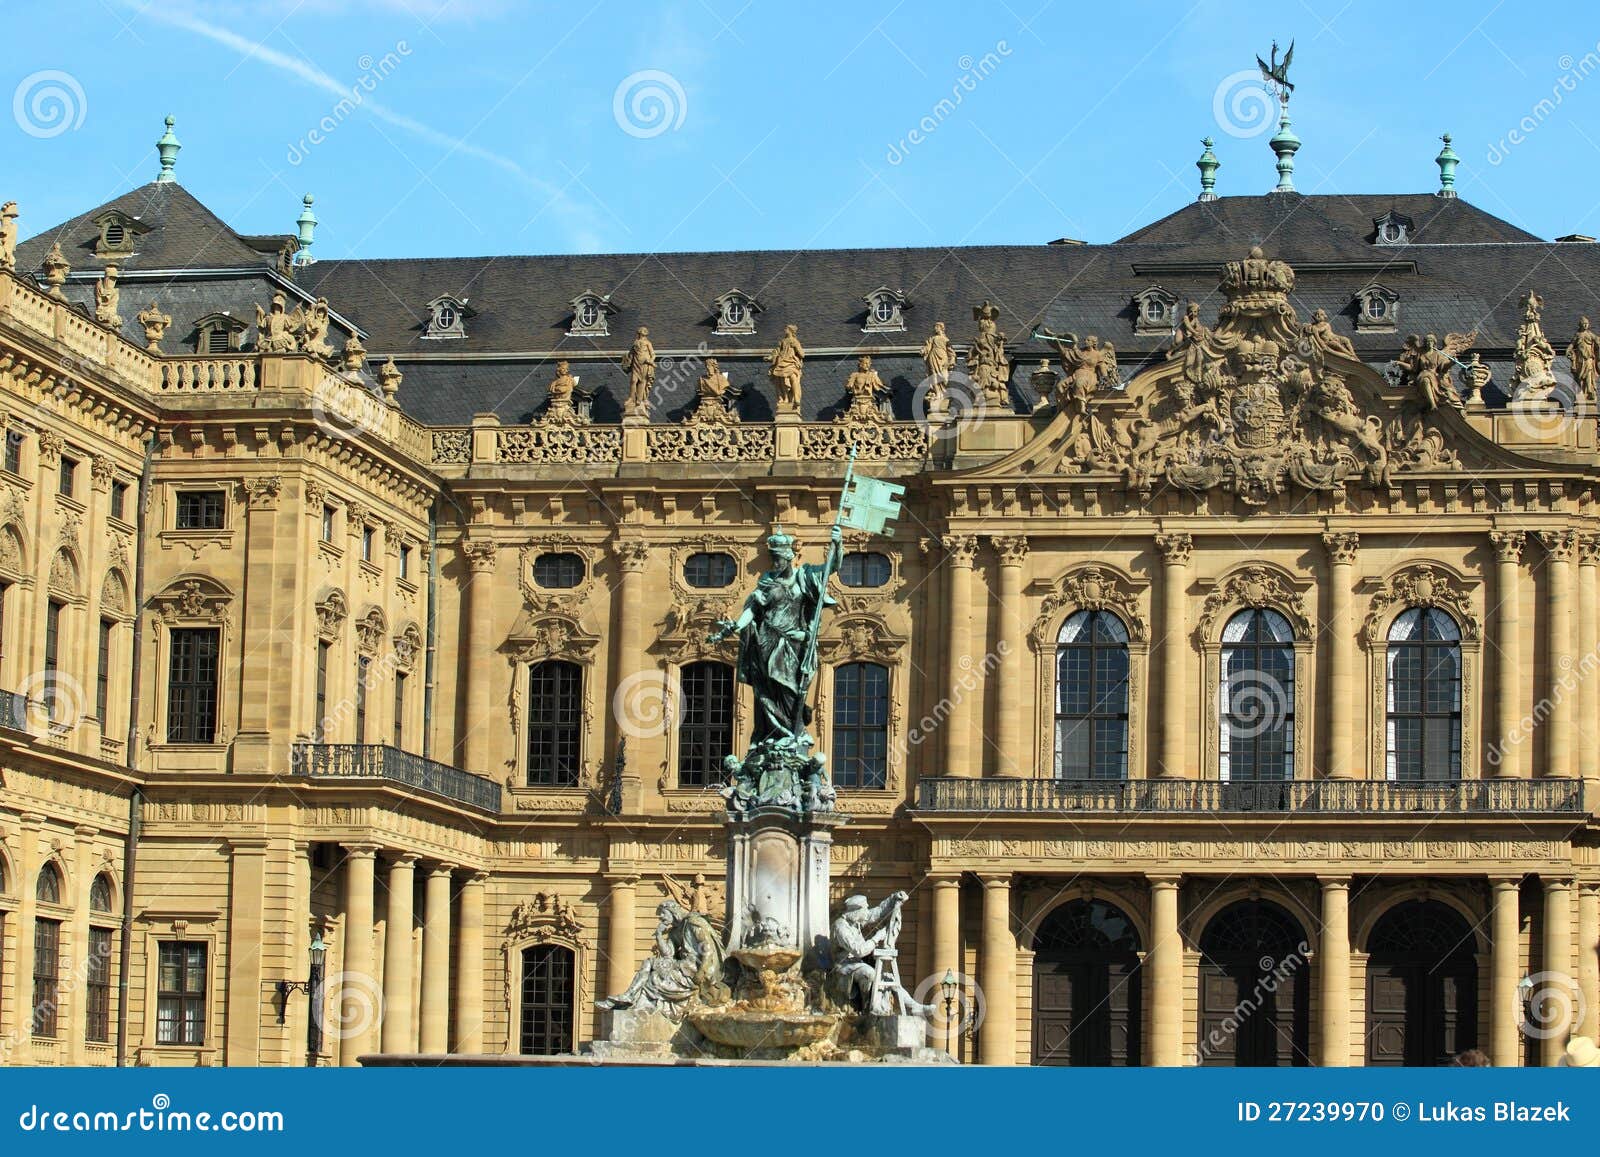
[1341,797]
[13,711]
[380,761]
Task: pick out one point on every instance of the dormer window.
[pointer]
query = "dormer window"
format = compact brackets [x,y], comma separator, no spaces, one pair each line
[885,311]
[118,234]
[219,333]
[590,315]
[447,317]
[1378,308]
[1155,310]
[1391,229]
[736,312]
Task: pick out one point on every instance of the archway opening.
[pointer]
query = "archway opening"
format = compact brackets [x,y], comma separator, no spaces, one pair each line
[1254,988]
[1086,987]
[1422,986]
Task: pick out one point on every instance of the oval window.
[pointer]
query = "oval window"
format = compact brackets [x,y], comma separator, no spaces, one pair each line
[709,568]
[864,568]
[558,569]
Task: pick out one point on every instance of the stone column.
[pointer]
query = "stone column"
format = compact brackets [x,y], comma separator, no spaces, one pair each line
[1163,966]
[28,862]
[1561,685]
[469,967]
[1588,662]
[629,597]
[477,607]
[1334,971]
[1505,937]
[621,930]
[1176,654]
[961,687]
[74,994]
[358,992]
[1557,963]
[1510,743]
[397,995]
[1342,696]
[997,965]
[434,1010]
[946,927]
[265,703]
[1010,749]
[246,924]
[1589,957]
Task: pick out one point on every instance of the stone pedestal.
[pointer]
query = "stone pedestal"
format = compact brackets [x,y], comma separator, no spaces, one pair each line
[778,864]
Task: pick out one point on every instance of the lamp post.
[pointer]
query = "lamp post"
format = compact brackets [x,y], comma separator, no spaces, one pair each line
[312,986]
[948,987]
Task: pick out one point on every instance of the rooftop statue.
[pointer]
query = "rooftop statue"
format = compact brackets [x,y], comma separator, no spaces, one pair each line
[1584,355]
[313,330]
[714,398]
[559,409]
[785,365]
[1533,380]
[640,365]
[987,363]
[107,298]
[154,324]
[275,327]
[865,389]
[938,359]
[8,235]
[1426,366]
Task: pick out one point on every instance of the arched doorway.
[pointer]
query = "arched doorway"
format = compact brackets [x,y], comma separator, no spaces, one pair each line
[1086,984]
[1255,988]
[548,977]
[1422,986]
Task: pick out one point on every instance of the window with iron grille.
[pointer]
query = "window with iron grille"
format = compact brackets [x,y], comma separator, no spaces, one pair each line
[200,510]
[1424,697]
[705,724]
[1257,741]
[192,685]
[46,975]
[861,725]
[181,993]
[1092,697]
[555,720]
[864,568]
[97,983]
[707,569]
[558,569]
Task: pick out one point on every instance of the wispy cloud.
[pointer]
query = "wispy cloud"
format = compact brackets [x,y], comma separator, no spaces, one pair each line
[581,217]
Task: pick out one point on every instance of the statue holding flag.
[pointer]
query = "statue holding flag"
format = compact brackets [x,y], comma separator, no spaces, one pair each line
[778,631]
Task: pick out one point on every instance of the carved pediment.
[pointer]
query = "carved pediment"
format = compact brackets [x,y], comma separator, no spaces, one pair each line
[193,598]
[688,622]
[1259,587]
[852,638]
[544,917]
[538,636]
[1421,585]
[371,628]
[331,612]
[1091,589]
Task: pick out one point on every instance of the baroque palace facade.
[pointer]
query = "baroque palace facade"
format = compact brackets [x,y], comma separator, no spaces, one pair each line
[1225,695]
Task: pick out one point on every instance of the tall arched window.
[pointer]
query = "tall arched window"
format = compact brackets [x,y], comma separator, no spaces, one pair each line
[100,894]
[1257,697]
[705,722]
[861,725]
[555,723]
[1424,696]
[48,890]
[1092,697]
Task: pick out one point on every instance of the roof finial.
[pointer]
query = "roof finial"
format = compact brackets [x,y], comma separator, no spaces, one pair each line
[1208,166]
[1447,162]
[307,221]
[168,147]
[1275,74]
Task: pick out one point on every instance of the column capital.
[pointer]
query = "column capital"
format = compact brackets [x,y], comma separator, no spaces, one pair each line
[1176,549]
[1560,545]
[1334,882]
[1508,544]
[479,877]
[1556,883]
[622,879]
[1163,881]
[85,831]
[361,851]
[631,554]
[1342,546]
[1500,883]
[404,860]
[442,869]
[961,549]
[995,880]
[248,844]
[1589,550]
[942,879]
[1012,548]
[479,553]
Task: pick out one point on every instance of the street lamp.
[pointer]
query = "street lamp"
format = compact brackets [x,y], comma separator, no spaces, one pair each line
[312,986]
[948,987]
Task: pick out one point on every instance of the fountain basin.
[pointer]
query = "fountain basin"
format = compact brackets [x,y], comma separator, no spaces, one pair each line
[767,957]
[754,1029]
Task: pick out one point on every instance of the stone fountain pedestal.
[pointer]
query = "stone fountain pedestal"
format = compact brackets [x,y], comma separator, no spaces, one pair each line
[778,869]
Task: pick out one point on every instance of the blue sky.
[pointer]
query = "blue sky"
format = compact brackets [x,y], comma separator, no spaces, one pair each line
[489,127]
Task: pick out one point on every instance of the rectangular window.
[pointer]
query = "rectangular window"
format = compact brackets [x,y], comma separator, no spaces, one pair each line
[363,669]
[705,727]
[405,562]
[400,710]
[368,537]
[119,500]
[52,651]
[69,475]
[46,975]
[328,515]
[555,723]
[320,726]
[14,451]
[200,510]
[181,994]
[98,984]
[102,679]
[192,685]
[861,725]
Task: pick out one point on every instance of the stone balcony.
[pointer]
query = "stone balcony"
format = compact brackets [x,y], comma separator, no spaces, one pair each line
[1307,798]
[366,761]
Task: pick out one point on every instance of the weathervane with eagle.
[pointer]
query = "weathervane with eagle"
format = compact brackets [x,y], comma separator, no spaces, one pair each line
[1276,74]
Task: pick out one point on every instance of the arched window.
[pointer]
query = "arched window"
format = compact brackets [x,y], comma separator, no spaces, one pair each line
[555,723]
[548,979]
[1424,696]
[705,722]
[49,888]
[100,894]
[1257,697]
[1092,697]
[861,725]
